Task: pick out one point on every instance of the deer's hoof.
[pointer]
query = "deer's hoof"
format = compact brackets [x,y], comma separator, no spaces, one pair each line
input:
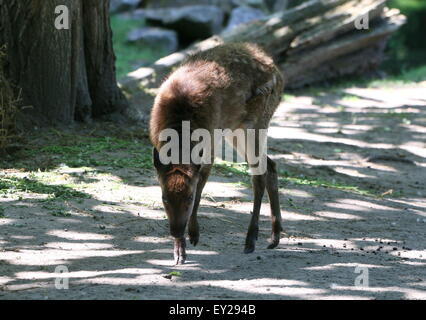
[275,241]
[273,245]
[180,260]
[179,251]
[249,249]
[193,239]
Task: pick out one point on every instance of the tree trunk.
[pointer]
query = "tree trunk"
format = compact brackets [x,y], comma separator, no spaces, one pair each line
[64,74]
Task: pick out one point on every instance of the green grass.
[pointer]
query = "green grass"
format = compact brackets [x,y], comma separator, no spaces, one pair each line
[350,97]
[56,210]
[12,185]
[413,75]
[82,151]
[130,55]
[230,168]
[409,76]
[288,97]
[286,177]
[39,168]
[175,274]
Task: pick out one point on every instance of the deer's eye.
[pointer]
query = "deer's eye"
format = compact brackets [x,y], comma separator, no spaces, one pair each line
[165,201]
[190,198]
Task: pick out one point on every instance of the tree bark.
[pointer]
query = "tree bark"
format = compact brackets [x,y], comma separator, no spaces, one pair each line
[64,74]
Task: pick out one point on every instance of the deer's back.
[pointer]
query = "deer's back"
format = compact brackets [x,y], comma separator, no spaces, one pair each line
[217,88]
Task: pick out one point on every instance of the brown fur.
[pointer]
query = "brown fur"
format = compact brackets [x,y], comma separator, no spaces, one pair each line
[178,177]
[209,84]
[228,87]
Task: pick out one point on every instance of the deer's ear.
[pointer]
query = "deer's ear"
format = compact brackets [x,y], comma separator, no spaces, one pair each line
[156,160]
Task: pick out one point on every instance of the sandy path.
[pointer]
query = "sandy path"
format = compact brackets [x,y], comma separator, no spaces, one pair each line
[338,243]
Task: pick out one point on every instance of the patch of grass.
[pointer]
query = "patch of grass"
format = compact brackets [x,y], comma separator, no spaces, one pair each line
[350,97]
[291,204]
[286,177]
[130,55]
[288,97]
[83,151]
[2,213]
[241,170]
[12,185]
[394,114]
[413,75]
[56,210]
[175,274]
[231,168]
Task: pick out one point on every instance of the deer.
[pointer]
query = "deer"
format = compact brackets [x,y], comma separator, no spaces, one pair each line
[231,86]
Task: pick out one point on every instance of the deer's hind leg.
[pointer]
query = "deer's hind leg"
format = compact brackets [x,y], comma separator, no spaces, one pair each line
[274,201]
[257,160]
[258,183]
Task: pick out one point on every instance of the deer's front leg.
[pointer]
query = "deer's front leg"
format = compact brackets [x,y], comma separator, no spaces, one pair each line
[193,228]
[179,251]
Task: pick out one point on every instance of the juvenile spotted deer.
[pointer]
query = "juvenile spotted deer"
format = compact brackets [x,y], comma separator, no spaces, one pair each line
[233,86]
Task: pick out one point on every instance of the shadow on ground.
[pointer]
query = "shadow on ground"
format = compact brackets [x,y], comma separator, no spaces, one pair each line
[352,192]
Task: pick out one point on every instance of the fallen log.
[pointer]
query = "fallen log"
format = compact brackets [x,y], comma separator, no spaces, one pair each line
[316,41]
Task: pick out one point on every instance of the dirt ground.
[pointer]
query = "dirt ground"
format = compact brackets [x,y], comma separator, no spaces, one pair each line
[352,166]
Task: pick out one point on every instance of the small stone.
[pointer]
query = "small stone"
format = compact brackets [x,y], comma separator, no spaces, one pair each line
[191,22]
[166,40]
[242,15]
[123,5]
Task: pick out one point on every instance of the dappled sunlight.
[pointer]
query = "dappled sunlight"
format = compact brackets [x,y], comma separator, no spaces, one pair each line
[58,256]
[413,254]
[151,239]
[389,98]
[351,193]
[265,286]
[22,237]
[296,193]
[76,235]
[216,189]
[295,216]
[297,133]
[125,272]
[78,246]
[358,205]
[140,73]
[406,293]
[351,265]
[5,221]
[416,148]
[170,59]
[352,172]
[336,215]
